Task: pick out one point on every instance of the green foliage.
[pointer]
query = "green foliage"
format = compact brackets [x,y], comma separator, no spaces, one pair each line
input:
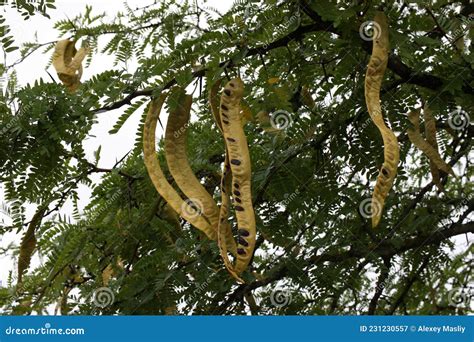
[309,180]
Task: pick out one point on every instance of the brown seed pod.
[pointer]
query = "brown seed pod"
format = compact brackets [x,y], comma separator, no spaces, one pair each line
[373,82]
[28,244]
[158,178]
[417,140]
[68,63]
[176,157]
[430,132]
[238,162]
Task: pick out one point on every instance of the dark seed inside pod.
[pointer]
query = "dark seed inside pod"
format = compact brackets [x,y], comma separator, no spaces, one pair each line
[227,92]
[238,200]
[243,232]
[231,139]
[242,241]
[235,162]
[225,115]
[236,185]
[384,172]
[224,107]
[236,193]
[239,208]
[241,251]
[225,121]
[232,85]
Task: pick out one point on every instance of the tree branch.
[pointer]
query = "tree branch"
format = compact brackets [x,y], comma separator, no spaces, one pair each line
[388,249]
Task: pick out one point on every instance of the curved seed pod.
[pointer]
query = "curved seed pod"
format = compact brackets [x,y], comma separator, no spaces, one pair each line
[373,82]
[417,140]
[223,228]
[430,132]
[175,153]
[28,244]
[158,178]
[239,158]
[68,63]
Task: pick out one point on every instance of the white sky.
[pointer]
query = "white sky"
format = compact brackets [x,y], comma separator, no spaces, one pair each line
[115,146]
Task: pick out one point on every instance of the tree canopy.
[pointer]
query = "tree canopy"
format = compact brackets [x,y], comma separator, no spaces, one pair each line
[315,155]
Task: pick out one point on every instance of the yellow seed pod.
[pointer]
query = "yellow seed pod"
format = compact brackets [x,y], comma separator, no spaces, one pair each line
[273,80]
[226,230]
[28,244]
[224,227]
[158,178]
[430,132]
[417,140]
[373,82]
[239,162]
[175,152]
[68,63]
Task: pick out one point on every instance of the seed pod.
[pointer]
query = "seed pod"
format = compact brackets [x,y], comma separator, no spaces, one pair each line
[373,82]
[225,228]
[417,140]
[68,63]
[158,178]
[28,243]
[430,132]
[175,153]
[239,164]
[214,102]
